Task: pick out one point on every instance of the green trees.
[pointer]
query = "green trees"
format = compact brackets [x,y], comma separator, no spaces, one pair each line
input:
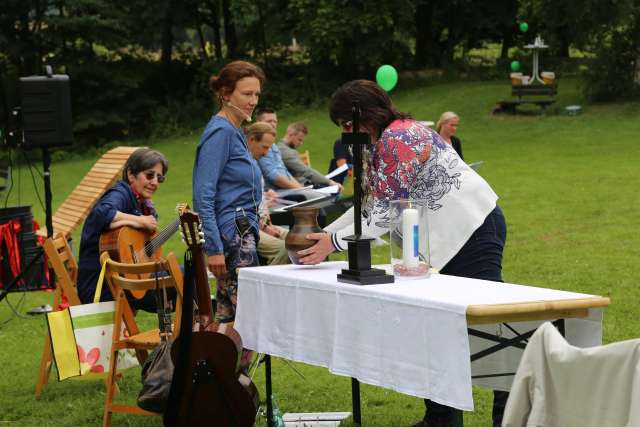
[139,65]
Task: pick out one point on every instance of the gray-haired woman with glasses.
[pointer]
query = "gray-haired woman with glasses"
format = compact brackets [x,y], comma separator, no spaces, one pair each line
[128,203]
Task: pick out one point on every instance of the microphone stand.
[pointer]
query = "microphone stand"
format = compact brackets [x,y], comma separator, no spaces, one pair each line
[359,246]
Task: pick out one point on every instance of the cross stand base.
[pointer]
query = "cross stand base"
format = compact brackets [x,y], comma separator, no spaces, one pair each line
[360,271]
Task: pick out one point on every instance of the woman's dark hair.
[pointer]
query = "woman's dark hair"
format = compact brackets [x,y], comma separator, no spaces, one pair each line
[143,159]
[225,82]
[376,108]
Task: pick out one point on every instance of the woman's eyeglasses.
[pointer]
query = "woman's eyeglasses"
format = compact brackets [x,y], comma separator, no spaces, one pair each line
[347,126]
[150,175]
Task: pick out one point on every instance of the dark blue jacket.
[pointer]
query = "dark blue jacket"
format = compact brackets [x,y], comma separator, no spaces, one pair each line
[119,198]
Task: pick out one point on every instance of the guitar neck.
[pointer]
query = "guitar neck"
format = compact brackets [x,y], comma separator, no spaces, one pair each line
[160,239]
[203,292]
[193,238]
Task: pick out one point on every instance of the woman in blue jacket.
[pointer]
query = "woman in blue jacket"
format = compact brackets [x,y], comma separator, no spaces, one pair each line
[226,182]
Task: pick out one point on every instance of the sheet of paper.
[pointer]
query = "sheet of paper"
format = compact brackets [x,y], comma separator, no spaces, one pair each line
[476,165]
[332,189]
[337,171]
[293,190]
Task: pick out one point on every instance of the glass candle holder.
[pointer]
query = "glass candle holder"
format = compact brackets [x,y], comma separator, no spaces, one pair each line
[409,241]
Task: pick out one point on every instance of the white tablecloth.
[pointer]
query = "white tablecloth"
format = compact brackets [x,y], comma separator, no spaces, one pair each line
[409,336]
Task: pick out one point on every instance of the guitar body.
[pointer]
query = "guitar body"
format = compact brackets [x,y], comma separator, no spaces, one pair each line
[215,395]
[126,244]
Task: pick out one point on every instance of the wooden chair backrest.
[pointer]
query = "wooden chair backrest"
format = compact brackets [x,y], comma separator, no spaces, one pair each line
[135,277]
[102,176]
[65,267]
[306,158]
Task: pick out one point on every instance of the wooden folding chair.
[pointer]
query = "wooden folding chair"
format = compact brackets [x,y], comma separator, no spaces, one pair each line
[121,277]
[306,158]
[65,268]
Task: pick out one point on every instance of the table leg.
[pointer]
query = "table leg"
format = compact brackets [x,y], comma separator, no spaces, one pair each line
[267,372]
[355,401]
[559,324]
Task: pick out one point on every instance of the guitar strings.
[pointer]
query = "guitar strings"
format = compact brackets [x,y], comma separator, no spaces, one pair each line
[159,240]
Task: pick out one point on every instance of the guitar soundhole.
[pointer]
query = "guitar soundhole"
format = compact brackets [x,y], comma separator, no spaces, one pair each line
[134,258]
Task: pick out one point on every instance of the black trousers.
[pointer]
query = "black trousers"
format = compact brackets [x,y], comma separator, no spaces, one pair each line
[479,258]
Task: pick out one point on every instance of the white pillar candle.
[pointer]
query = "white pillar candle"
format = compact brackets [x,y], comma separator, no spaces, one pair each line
[410,239]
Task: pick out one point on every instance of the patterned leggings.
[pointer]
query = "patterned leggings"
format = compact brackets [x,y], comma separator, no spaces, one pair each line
[238,252]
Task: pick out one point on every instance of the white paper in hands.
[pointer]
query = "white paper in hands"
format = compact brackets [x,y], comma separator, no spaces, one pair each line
[337,171]
[331,189]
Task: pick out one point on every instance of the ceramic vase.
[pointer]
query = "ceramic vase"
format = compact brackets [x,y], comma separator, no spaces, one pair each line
[305,222]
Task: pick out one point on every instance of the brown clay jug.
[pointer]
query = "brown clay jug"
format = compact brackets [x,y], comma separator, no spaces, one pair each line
[305,222]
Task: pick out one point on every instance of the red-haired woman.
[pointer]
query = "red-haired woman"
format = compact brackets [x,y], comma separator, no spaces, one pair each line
[226,182]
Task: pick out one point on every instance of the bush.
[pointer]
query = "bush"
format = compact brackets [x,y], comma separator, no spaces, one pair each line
[610,74]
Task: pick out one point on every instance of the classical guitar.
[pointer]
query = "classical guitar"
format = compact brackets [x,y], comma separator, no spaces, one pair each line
[207,388]
[131,245]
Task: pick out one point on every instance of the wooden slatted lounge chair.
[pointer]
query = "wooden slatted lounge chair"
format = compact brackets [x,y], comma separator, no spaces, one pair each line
[73,211]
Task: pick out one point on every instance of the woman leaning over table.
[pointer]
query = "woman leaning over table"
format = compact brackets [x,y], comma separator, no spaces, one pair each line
[408,160]
[226,182]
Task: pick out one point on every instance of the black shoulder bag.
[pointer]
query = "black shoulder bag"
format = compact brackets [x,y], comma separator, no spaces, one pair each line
[157,370]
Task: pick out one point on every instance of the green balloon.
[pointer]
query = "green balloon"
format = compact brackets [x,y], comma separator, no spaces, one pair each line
[387,77]
[515,66]
[524,27]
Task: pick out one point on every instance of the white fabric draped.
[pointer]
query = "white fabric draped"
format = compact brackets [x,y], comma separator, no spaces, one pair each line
[409,336]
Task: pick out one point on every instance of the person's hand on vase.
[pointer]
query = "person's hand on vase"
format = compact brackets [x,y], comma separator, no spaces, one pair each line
[318,252]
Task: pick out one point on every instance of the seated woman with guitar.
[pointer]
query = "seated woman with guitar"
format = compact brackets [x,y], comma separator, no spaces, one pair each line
[128,203]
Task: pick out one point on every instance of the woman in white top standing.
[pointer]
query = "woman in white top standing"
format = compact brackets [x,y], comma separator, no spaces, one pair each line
[408,160]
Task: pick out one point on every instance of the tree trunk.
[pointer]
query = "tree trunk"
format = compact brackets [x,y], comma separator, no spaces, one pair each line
[263,34]
[203,44]
[423,20]
[229,29]
[508,28]
[563,48]
[167,36]
[636,74]
[214,23]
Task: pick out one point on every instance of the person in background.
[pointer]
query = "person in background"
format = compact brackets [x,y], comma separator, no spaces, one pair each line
[260,136]
[447,126]
[407,160]
[294,138]
[341,156]
[226,183]
[128,203]
[268,115]
[275,173]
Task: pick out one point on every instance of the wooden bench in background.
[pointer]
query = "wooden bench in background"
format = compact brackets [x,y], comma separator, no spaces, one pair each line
[102,176]
[540,95]
[534,90]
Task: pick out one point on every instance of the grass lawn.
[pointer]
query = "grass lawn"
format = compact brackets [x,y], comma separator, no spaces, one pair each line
[567,185]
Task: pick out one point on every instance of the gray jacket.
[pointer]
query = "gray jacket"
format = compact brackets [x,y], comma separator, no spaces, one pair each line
[298,169]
